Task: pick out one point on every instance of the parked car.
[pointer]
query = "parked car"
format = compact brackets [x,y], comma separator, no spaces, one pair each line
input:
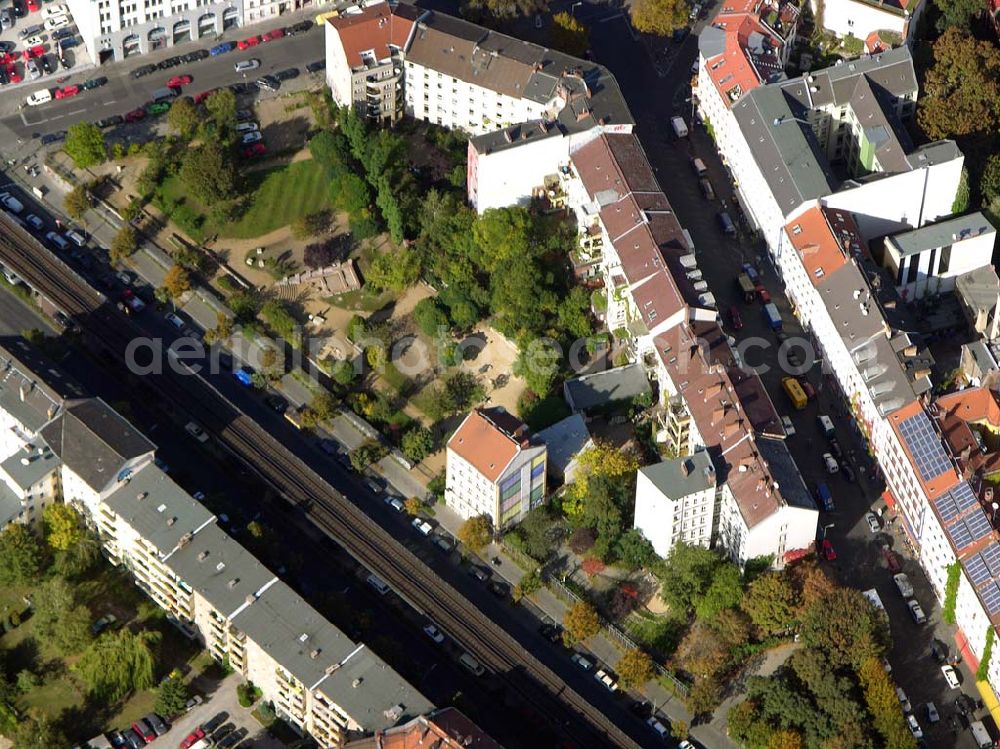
[273,34]
[931,711]
[276,403]
[914,727]
[873,524]
[607,679]
[143,728]
[498,588]
[156,723]
[583,661]
[192,738]
[244,65]
[132,739]
[827,550]
[221,49]
[115,119]
[92,83]
[195,430]
[891,560]
[315,67]
[551,632]
[904,701]
[179,80]
[249,42]
[55,10]
[432,631]
[706,188]
[170,62]
[268,83]
[136,115]
[786,424]
[658,727]
[950,676]
[198,54]
[254,150]
[67,92]
[395,503]
[479,573]
[735,319]
[287,74]
[251,137]
[106,621]
[903,585]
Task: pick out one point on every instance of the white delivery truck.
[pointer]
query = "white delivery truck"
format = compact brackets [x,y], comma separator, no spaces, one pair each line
[680,127]
[980,734]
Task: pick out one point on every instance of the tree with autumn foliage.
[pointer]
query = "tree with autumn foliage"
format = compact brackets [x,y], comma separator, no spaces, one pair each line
[176,281]
[592,566]
[883,704]
[635,668]
[569,35]
[660,17]
[580,622]
[770,604]
[961,91]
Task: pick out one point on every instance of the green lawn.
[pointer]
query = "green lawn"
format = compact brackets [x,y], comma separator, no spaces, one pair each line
[280,196]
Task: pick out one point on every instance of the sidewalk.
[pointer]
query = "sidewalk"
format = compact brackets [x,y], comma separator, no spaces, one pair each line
[547,605]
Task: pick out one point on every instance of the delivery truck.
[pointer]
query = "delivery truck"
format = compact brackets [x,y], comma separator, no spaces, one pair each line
[772,316]
[680,127]
[980,734]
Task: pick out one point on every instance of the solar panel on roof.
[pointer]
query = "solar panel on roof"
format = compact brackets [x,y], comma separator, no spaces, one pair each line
[959,534]
[947,508]
[964,496]
[924,446]
[978,524]
[991,598]
[977,570]
[991,557]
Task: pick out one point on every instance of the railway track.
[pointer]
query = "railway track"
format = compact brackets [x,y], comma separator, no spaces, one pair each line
[327,508]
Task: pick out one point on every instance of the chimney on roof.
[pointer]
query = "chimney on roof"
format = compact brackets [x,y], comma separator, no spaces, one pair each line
[356,683]
[314,654]
[910,350]
[761,485]
[233,583]
[718,415]
[171,520]
[713,390]
[731,428]
[24,389]
[686,467]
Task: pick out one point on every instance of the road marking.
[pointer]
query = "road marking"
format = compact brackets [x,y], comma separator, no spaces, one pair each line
[615,17]
[75,111]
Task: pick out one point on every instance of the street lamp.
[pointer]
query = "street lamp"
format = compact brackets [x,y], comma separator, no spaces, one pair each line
[828,525]
[572,8]
[789,118]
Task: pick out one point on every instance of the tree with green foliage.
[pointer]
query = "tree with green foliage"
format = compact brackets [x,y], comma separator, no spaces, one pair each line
[21,555]
[85,144]
[573,313]
[770,604]
[352,195]
[724,592]
[540,534]
[171,697]
[119,663]
[183,118]
[394,271]
[633,550]
[311,224]
[957,14]
[124,244]
[430,318]
[659,17]
[961,91]
[368,453]
[58,618]
[688,571]
[476,533]
[78,558]
[221,108]
[38,731]
[209,173]
[72,632]
[845,629]
[63,526]
[77,202]
[580,622]
[417,443]
[989,183]
[537,364]
[635,668]
[569,35]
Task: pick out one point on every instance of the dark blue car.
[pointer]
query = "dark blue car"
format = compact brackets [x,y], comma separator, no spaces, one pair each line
[221,49]
[244,375]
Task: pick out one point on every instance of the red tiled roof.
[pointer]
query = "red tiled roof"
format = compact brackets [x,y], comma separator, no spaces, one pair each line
[373,29]
[614,162]
[822,236]
[657,299]
[488,440]
[444,729]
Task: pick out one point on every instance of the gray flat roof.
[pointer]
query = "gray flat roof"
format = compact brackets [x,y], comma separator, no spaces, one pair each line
[787,152]
[10,505]
[221,570]
[294,634]
[864,335]
[95,441]
[891,72]
[942,233]
[26,468]
[938,152]
[158,509]
[602,388]
[564,440]
[682,477]
[374,695]
[32,389]
[782,467]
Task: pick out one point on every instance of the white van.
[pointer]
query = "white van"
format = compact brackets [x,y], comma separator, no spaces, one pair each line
[826,424]
[472,664]
[57,241]
[247,127]
[831,464]
[44,96]
[379,584]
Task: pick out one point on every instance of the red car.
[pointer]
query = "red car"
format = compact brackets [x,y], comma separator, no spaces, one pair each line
[142,728]
[135,115]
[66,92]
[193,738]
[202,96]
[34,6]
[37,51]
[891,560]
[12,73]
[734,318]
[827,550]
[179,80]
[807,388]
[6,58]
[256,149]
[253,41]
[270,36]
[763,295]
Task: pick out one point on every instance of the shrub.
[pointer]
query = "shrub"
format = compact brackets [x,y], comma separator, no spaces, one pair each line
[582,540]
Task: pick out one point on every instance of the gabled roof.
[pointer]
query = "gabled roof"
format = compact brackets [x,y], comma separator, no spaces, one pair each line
[32,389]
[94,441]
[489,439]
[822,248]
[443,729]
[613,165]
[376,29]
[31,464]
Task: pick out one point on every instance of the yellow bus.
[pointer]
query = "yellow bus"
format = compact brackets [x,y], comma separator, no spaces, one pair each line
[795,392]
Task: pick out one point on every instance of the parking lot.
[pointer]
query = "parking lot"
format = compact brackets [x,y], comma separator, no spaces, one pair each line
[40,44]
[221,711]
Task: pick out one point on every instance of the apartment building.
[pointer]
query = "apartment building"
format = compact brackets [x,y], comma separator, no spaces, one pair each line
[319,680]
[864,18]
[495,468]
[447,728]
[675,502]
[930,259]
[364,67]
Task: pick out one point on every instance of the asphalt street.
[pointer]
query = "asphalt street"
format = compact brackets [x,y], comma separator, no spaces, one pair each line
[123,93]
